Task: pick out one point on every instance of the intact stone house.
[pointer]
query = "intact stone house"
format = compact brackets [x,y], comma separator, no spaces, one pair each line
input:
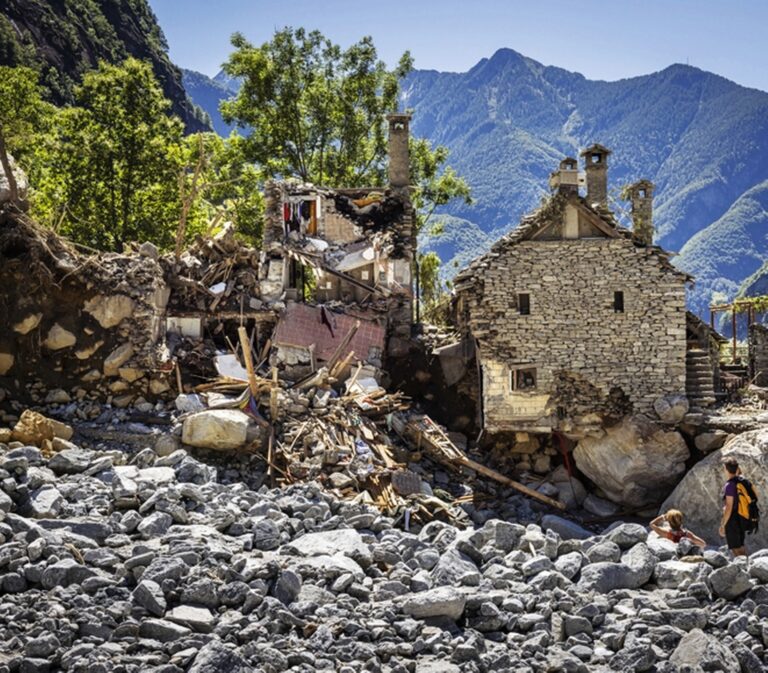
[575,319]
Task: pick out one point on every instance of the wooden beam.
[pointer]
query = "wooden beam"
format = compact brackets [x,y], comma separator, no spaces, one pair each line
[242,333]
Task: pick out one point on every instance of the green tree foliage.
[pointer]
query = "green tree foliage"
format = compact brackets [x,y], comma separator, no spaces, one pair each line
[435,183]
[114,161]
[21,113]
[218,184]
[314,111]
[317,112]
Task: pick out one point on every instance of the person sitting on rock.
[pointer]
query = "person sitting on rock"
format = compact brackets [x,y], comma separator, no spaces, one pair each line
[731,524]
[675,531]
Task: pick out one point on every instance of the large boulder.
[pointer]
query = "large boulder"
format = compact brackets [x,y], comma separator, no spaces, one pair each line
[701,652]
[671,409]
[439,602]
[635,463]
[216,429]
[699,494]
[346,541]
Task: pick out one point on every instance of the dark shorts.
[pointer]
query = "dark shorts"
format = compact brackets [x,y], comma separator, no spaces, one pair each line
[734,532]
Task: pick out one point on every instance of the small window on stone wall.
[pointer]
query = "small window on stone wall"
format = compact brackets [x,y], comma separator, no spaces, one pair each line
[618,302]
[524,304]
[522,379]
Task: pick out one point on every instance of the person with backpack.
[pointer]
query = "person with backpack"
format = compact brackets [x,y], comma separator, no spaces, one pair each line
[740,512]
[675,531]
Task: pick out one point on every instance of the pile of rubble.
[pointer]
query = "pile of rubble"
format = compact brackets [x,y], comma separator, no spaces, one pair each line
[150,559]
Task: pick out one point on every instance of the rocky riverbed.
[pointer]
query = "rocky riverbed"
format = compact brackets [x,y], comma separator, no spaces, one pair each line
[150,560]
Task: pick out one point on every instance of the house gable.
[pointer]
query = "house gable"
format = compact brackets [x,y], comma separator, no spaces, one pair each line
[574,221]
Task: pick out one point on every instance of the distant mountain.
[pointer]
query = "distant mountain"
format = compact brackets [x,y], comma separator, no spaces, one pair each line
[731,249]
[231,83]
[65,38]
[699,137]
[208,94]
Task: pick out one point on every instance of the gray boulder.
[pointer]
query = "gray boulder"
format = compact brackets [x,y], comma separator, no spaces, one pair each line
[635,463]
[346,541]
[569,564]
[216,657]
[699,493]
[45,502]
[65,572]
[455,568]
[195,617]
[567,530]
[758,568]
[730,581]
[439,602]
[634,570]
[673,574]
[70,461]
[671,409]
[149,595]
[701,652]
[627,535]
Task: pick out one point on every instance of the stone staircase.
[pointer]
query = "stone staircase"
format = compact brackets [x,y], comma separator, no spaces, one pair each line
[698,379]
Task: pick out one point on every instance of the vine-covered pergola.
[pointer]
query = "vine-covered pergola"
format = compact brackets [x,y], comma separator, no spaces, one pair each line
[751,306]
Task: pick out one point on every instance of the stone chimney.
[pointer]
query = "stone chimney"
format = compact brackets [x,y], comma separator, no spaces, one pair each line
[566,179]
[596,168]
[399,165]
[641,197]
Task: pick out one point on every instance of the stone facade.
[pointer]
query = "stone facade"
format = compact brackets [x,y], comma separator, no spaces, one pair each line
[575,322]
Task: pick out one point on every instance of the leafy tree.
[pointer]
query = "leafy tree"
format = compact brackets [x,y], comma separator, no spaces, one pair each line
[313,110]
[21,111]
[435,183]
[218,184]
[114,161]
[317,112]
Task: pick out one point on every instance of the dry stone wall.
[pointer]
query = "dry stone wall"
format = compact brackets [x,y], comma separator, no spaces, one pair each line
[74,327]
[589,357]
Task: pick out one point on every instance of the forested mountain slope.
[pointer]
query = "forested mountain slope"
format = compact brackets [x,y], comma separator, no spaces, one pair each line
[65,38]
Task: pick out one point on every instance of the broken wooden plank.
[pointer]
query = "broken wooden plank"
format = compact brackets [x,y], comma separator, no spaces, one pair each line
[246,345]
[427,434]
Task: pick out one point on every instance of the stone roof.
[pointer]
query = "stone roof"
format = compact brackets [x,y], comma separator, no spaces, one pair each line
[536,220]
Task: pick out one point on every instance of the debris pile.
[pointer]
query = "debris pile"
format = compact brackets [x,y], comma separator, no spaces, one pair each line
[149,559]
[215,274]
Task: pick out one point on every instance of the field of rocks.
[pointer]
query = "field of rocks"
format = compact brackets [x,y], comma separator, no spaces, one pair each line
[148,557]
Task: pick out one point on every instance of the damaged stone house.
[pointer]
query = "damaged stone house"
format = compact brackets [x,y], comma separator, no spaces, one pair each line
[332,282]
[575,320]
[341,259]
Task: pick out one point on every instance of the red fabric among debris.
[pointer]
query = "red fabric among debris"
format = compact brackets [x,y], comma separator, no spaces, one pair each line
[301,326]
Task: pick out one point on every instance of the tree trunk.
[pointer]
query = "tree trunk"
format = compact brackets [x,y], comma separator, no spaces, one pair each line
[6,162]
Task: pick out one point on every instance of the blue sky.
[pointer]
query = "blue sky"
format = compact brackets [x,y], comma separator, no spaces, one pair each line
[602,39]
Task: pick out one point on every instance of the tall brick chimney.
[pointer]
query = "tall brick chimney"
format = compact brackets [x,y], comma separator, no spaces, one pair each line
[596,168]
[641,197]
[399,164]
